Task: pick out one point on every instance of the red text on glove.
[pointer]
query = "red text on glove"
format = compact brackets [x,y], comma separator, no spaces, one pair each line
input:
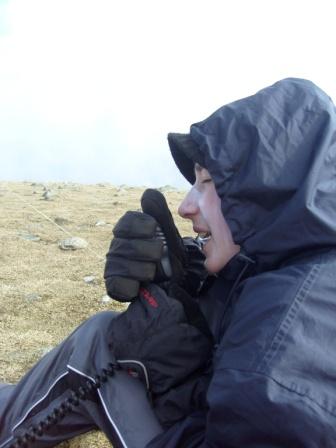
[148,297]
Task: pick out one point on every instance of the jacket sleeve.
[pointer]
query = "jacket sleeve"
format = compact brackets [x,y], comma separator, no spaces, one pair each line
[271,385]
[245,410]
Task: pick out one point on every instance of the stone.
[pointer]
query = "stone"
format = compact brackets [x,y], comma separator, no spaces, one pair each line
[44,350]
[89,279]
[61,221]
[72,243]
[32,297]
[106,299]
[29,237]
[48,195]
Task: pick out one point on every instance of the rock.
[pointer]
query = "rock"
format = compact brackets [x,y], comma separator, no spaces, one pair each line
[106,299]
[32,297]
[84,227]
[72,243]
[61,221]
[44,350]
[89,279]
[29,237]
[48,195]
[122,190]
[100,223]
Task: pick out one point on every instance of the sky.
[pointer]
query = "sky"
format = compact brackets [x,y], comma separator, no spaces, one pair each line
[89,89]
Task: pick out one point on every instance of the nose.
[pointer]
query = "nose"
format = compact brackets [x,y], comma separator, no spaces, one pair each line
[189,206]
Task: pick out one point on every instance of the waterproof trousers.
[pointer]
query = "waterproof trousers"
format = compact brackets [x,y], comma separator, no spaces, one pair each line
[53,396]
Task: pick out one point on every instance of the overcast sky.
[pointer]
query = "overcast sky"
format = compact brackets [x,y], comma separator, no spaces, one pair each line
[89,89]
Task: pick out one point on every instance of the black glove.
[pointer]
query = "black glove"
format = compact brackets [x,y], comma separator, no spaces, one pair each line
[148,248]
[155,341]
[133,255]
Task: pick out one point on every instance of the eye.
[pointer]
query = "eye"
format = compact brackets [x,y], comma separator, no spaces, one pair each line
[205,181]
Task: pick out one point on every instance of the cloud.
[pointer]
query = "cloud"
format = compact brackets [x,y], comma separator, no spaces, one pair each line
[90,89]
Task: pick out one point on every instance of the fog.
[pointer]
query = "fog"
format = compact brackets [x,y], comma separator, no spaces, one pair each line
[90,89]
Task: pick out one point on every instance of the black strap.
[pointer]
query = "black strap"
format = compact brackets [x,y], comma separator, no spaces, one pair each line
[192,310]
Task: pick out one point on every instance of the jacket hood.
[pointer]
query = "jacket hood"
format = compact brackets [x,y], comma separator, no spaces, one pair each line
[272,157]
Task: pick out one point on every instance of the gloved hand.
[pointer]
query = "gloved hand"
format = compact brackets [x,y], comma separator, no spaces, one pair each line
[133,255]
[148,247]
[156,341]
[163,337]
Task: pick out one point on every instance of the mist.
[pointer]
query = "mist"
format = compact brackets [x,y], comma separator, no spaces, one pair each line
[90,89]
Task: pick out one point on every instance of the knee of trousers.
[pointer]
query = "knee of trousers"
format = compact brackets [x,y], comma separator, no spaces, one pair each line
[99,323]
[91,344]
[102,319]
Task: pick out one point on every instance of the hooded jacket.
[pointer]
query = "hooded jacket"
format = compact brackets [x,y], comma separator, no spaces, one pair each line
[272,157]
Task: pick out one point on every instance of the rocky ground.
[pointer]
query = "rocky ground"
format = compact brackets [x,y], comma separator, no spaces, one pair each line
[53,241]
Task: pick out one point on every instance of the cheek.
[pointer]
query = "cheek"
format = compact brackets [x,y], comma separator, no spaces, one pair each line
[210,206]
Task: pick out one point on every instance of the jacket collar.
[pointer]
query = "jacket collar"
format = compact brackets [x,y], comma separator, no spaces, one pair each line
[241,265]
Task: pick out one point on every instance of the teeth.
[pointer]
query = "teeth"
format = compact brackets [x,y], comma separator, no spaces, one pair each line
[204,234]
[203,238]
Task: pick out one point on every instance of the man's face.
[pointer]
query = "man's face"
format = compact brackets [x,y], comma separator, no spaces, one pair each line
[203,206]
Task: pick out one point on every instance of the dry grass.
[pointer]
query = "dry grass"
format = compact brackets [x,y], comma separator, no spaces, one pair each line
[28,328]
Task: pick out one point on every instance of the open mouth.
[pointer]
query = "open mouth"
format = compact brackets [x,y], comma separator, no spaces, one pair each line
[203,238]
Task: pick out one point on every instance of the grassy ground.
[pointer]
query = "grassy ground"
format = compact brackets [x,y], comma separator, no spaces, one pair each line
[43,295]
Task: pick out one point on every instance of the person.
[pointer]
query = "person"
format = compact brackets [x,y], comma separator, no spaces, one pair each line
[262,200]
